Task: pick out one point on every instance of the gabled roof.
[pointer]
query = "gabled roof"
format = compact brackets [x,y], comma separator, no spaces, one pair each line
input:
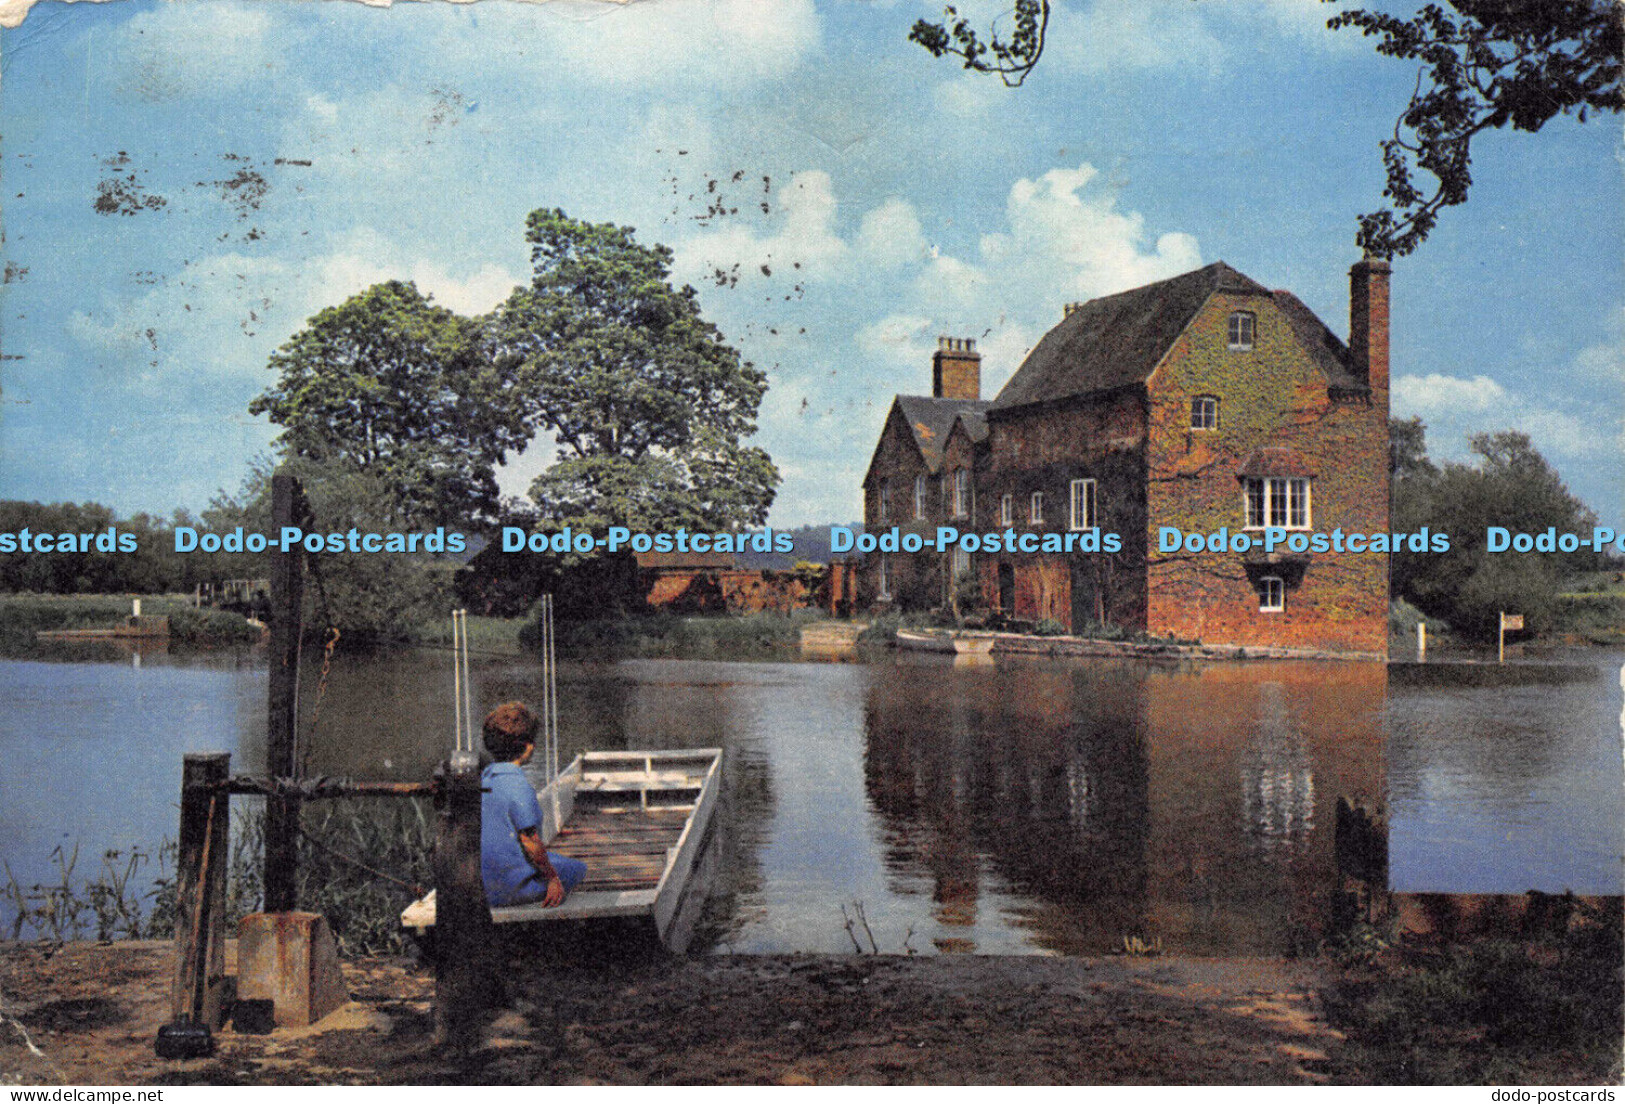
[933,419]
[1119,340]
[1327,350]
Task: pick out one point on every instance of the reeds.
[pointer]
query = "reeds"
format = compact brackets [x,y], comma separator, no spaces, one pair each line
[360,863]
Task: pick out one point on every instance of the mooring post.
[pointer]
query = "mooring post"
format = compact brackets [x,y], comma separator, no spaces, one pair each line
[463,944]
[200,889]
[287,594]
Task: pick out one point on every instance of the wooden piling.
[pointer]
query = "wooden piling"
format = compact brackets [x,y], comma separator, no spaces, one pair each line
[287,594]
[200,889]
[464,951]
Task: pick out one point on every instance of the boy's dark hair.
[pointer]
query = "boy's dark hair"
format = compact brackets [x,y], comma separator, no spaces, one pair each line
[508,728]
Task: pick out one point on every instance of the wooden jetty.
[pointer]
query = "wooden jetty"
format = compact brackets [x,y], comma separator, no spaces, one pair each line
[134,627]
[637,819]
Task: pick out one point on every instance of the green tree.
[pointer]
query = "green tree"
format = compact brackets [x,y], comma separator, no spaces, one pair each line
[391,387]
[648,407]
[1485,65]
[1512,486]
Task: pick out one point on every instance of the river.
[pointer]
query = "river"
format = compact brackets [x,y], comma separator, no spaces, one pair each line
[1008,806]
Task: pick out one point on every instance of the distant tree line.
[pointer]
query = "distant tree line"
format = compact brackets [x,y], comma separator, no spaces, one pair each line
[154,568]
[1507,484]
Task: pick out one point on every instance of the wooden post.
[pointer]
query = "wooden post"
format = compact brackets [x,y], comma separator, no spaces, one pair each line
[287,596]
[463,929]
[200,889]
[1421,641]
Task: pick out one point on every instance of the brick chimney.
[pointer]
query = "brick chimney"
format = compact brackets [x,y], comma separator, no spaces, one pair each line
[1368,321]
[956,369]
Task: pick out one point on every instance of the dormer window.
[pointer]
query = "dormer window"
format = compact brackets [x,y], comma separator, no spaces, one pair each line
[885,500]
[1205,412]
[919,497]
[1242,324]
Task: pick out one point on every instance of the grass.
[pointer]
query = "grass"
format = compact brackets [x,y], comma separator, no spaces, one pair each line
[22,615]
[1545,1009]
[492,635]
[666,634]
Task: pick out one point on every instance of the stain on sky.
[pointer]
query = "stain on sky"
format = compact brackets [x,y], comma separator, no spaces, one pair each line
[122,192]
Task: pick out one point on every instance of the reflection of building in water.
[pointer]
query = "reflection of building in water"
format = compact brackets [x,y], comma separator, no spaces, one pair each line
[1277,778]
[1033,775]
[1129,800]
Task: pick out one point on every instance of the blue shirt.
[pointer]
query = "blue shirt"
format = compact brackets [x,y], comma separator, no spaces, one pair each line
[510,807]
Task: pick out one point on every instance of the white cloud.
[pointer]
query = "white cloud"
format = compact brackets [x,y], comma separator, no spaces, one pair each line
[195,49]
[692,43]
[1068,240]
[1454,409]
[1437,394]
[901,339]
[1604,361]
[890,235]
[803,240]
[1110,35]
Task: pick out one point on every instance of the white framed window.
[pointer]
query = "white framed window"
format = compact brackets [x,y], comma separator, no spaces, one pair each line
[1007,510]
[885,499]
[1277,502]
[1271,594]
[1082,514]
[1205,412]
[961,562]
[1036,510]
[885,576]
[1242,325]
[920,485]
[961,492]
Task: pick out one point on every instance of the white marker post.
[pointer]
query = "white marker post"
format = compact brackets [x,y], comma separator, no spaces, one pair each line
[1421,642]
[1509,621]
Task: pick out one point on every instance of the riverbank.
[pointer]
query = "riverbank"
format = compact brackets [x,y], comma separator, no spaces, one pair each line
[93,1011]
[1424,1015]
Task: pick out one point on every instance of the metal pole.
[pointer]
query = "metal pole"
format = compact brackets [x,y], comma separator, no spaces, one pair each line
[200,889]
[287,596]
[463,943]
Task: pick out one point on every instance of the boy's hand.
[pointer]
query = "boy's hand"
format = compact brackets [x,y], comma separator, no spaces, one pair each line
[555,893]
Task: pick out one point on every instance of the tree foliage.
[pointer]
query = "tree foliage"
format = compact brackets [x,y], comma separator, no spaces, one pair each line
[1485,65]
[1012,59]
[391,387]
[648,406]
[1512,486]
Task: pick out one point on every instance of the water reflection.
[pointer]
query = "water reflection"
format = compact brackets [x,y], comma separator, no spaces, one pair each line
[1009,806]
[1121,799]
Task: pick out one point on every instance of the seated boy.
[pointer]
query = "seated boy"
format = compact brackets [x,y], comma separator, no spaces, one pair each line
[516,868]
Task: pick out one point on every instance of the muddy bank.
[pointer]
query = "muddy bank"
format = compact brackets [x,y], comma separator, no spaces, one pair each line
[92,1013]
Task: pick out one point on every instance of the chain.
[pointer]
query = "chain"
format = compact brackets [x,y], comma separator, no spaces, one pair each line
[308,746]
[321,692]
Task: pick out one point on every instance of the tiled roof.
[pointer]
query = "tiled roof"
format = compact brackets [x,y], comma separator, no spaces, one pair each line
[932,419]
[1118,340]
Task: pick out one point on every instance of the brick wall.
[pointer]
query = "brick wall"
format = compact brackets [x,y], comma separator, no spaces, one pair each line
[1270,396]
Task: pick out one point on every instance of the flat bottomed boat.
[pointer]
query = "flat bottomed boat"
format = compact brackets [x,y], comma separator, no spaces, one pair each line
[638,819]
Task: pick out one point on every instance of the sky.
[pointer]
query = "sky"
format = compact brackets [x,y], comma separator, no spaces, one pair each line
[184,184]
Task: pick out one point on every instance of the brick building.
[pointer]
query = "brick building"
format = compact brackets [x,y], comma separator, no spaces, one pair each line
[1200,403]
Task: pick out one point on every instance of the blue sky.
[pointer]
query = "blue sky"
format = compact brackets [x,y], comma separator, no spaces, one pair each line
[890,197]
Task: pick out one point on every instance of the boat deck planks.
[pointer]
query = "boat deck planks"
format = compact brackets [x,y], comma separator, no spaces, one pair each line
[635,818]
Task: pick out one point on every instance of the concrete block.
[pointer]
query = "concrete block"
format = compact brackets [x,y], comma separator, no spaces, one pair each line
[292,960]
